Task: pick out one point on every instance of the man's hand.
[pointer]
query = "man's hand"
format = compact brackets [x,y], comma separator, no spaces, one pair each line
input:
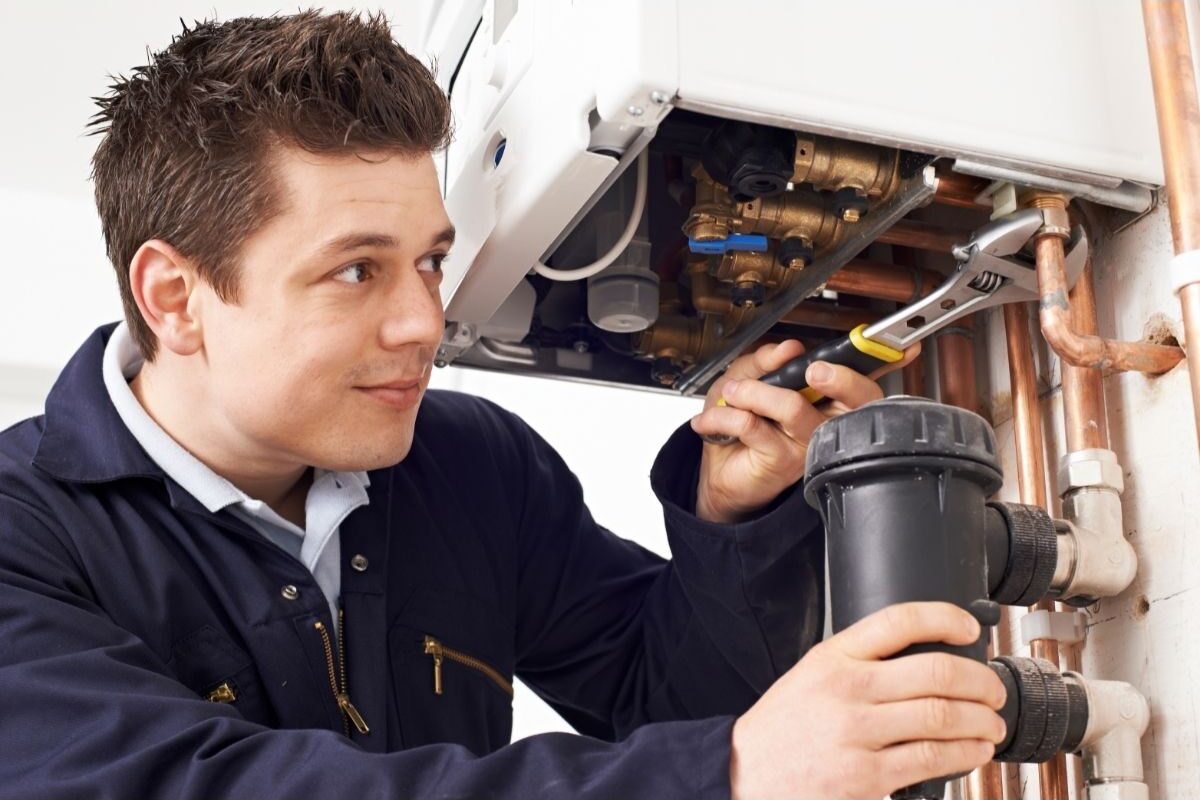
[773,426]
[843,723]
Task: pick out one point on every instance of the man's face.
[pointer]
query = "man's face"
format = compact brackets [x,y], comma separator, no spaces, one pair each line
[326,355]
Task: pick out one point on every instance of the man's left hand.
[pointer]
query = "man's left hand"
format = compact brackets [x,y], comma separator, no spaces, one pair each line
[772,426]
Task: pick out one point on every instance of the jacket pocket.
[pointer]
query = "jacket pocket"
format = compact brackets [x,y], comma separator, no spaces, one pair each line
[216,669]
[452,676]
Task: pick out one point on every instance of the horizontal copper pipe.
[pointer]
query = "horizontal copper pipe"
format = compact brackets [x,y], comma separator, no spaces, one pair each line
[884,281]
[956,189]
[837,318]
[923,236]
[1082,350]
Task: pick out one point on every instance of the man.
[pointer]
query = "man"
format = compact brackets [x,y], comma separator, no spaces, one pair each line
[243,554]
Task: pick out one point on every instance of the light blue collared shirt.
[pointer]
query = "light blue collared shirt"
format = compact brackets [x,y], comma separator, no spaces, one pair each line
[331,498]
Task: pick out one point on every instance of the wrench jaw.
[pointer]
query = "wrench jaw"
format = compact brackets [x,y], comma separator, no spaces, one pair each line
[987,275]
[1078,255]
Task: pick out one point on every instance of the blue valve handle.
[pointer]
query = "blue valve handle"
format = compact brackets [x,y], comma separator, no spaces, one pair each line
[755,242]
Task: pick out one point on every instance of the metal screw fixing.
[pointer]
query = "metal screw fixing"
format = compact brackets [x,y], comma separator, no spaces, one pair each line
[851,215]
[290,592]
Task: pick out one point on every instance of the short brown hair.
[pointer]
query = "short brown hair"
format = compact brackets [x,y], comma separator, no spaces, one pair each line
[188,138]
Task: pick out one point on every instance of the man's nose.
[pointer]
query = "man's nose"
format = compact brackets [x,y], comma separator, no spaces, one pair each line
[414,315]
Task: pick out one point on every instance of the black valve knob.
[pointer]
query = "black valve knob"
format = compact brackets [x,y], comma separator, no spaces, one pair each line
[752,160]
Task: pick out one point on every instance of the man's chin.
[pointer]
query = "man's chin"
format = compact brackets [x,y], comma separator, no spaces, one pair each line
[371,455]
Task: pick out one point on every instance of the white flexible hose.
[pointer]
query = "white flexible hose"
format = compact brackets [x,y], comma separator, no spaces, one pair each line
[635,218]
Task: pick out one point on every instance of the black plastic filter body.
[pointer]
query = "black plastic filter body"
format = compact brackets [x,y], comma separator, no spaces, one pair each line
[901,485]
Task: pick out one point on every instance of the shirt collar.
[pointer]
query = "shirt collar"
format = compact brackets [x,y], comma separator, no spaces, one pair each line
[96,430]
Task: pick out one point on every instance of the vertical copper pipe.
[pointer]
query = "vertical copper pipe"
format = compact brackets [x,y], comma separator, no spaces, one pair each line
[1031,479]
[1027,415]
[914,378]
[1083,388]
[1173,75]
[956,374]
[956,365]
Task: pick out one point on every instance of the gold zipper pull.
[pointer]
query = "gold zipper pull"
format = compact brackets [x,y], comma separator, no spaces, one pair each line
[350,711]
[434,648]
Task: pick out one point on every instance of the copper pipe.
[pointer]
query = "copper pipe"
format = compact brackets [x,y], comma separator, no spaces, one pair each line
[923,236]
[1083,350]
[1083,388]
[956,189]
[914,378]
[1031,479]
[1175,100]
[1027,415]
[884,281]
[956,376]
[838,318]
[956,365]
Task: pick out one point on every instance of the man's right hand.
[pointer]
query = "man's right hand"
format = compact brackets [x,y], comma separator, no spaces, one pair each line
[845,723]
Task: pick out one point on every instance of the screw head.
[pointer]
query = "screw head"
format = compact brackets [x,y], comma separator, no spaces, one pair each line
[359,563]
[635,111]
[658,98]
[289,592]
[580,346]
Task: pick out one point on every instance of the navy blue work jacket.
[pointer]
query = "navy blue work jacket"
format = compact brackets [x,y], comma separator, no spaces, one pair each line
[124,604]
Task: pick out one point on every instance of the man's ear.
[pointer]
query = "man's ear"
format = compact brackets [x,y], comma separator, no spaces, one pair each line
[163,282]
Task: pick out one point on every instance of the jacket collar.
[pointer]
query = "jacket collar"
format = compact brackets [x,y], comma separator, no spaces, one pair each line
[84,439]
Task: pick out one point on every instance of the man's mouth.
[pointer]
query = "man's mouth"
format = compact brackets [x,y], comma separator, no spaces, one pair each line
[401,394]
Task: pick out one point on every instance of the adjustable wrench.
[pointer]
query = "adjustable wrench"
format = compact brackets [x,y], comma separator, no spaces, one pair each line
[988,274]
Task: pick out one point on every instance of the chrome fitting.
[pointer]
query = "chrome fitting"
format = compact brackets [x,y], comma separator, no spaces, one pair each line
[1093,468]
[1118,716]
[1097,560]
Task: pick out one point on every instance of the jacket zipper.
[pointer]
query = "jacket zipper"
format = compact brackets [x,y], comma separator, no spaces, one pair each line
[341,695]
[440,652]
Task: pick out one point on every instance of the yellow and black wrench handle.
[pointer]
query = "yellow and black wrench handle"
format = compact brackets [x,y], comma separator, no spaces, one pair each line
[854,350]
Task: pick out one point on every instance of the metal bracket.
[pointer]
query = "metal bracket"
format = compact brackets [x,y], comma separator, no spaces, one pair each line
[1067,627]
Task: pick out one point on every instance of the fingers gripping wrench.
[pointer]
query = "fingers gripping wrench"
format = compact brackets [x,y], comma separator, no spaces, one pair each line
[988,274]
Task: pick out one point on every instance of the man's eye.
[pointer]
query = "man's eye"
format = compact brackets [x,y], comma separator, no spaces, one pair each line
[431,263]
[355,273]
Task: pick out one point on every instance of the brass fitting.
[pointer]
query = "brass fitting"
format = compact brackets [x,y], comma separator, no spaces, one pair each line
[744,265]
[683,340]
[713,216]
[708,296]
[801,213]
[833,164]
[1054,211]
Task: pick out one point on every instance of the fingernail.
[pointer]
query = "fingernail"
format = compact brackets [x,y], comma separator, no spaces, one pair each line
[973,629]
[730,388]
[818,372]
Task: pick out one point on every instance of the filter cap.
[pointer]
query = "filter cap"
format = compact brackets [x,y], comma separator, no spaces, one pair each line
[902,426]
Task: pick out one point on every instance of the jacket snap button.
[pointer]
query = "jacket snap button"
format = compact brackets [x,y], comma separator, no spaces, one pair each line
[359,563]
[290,592]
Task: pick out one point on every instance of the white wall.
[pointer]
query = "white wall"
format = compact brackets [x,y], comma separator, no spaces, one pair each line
[56,284]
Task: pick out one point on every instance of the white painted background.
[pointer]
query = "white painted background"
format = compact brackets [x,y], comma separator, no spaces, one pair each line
[56,284]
